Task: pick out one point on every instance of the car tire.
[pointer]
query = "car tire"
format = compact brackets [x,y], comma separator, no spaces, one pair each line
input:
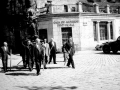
[106,49]
[115,51]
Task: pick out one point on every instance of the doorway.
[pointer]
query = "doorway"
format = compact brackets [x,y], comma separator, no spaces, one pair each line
[43,34]
[66,33]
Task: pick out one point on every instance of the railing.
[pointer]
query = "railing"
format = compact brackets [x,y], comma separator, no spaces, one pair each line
[102,10]
[88,8]
[65,8]
[42,10]
[58,8]
[75,8]
[115,9]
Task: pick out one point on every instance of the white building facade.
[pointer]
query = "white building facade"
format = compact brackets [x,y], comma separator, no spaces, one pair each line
[86,23]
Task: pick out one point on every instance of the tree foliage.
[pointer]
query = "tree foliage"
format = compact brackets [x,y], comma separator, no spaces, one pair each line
[14,20]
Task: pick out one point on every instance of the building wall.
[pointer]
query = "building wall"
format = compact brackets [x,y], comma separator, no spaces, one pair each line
[59,23]
[117,27]
[46,25]
[82,30]
[87,33]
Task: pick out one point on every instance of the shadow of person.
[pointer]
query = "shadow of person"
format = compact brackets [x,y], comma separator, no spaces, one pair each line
[21,74]
[56,67]
[18,68]
[49,88]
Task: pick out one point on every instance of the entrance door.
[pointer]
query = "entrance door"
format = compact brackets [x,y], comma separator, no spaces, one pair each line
[43,34]
[66,33]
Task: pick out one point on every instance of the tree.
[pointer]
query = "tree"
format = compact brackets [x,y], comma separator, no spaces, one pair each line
[15,23]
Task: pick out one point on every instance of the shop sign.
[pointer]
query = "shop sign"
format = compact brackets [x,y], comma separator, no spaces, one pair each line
[84,23]
[69,23]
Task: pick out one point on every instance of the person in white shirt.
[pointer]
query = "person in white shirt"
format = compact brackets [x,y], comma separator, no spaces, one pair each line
[4,54]
[47,52]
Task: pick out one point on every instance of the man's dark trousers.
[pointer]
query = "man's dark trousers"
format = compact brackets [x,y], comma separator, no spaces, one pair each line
[38,65]
[4,62]
[70,61]
[53,55]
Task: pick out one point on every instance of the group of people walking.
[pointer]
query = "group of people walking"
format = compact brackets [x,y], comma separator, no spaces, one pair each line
[37,52]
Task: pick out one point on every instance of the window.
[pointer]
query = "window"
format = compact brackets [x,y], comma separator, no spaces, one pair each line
[73,9]
[92,1]
[118,1]
[66,8]
[103,30]
[111,30]
[98,0]
[112,1]
[94,31]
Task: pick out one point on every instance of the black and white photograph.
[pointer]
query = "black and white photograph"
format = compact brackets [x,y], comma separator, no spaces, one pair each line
[60,45]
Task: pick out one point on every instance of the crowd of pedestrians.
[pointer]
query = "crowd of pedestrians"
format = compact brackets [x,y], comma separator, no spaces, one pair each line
[36,52]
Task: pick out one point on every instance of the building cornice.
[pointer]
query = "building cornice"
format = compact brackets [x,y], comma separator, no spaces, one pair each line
[75,14]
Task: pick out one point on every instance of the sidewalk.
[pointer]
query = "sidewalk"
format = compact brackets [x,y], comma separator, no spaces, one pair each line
[94,71]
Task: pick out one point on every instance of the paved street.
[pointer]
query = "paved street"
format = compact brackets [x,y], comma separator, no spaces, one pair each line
[94,71]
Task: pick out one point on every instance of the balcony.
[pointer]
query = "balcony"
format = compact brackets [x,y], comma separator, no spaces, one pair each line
[88,8]
[80,8]
[115,9]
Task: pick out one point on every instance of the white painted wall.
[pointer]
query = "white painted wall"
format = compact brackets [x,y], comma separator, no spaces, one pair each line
[117,27]
[82,31]
[86,33]
[58,34]
[86,30]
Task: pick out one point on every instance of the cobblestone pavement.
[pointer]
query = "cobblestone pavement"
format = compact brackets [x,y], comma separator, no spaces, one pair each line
[94,71]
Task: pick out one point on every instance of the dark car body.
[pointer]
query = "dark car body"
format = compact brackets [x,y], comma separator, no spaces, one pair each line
[113,46]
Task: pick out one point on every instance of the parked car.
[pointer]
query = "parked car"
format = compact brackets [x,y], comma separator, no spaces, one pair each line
[99,47]
[113,46]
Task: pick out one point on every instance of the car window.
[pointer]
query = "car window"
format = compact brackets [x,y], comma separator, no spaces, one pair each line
[118,39]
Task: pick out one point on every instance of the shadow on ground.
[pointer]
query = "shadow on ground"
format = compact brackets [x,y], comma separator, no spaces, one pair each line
[14,71]
[108,53]
[21,74]
[14,68]
[17,68]
[21,68]
[56,67]
[48,88]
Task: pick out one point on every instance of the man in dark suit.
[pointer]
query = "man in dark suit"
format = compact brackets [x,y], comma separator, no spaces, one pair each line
[23,52]
[52,45]
[4,54]
[71,51]
[29,55]
[38,54]
[65,54]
